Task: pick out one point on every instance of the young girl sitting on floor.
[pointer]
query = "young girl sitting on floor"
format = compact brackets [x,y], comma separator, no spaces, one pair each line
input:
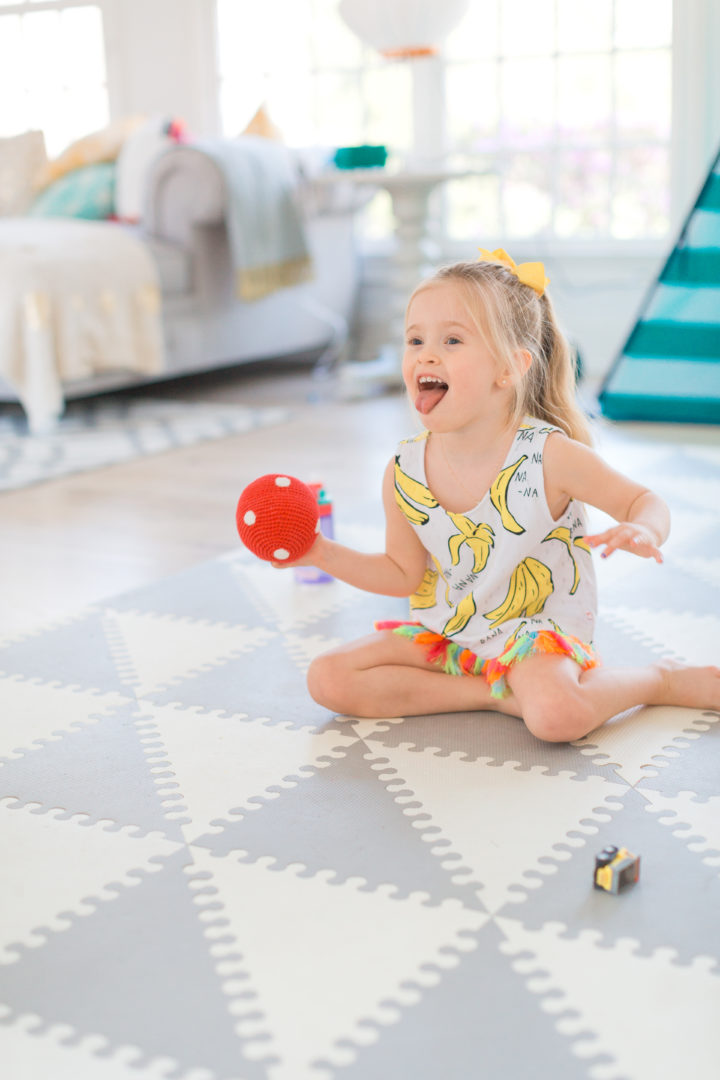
[486,532]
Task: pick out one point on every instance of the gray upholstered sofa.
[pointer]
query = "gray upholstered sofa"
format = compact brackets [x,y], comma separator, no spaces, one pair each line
[205,325]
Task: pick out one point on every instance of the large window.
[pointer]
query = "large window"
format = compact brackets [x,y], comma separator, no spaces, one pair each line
[52,69]
[571,101]
[321,85]
[567,102]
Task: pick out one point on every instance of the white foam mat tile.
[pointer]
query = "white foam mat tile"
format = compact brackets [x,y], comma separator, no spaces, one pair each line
[54,866]
[33,711]
[155,651]
[30,1053]
[687,638]
[707,570]
[483,813]
[635,742]
[662,1022]
[305,647]
[242,758]
[694,821]
[359,953]
[285,605]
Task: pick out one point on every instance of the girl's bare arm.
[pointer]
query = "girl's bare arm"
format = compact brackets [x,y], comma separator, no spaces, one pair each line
[395,572]
[575,471]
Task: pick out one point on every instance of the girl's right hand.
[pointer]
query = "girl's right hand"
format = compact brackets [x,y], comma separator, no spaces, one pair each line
[308,559]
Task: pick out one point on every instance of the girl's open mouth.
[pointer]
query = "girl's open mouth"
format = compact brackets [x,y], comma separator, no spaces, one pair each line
[430,390]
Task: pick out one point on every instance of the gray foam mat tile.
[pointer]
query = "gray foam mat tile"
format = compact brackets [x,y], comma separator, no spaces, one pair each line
[477,1022]
[488,735]
[342,820]
[213,594]
[691,765]
[672,880]
[73,651]
[677,590]
[98,770]
[192,1025]
[273,682]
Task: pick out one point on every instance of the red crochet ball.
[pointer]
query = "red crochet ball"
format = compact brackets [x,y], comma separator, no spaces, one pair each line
[277,518]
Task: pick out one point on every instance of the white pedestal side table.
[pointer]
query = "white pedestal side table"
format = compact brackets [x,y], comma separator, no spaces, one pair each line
[410,191]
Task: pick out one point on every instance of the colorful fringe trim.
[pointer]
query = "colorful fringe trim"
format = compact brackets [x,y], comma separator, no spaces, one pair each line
[455,660]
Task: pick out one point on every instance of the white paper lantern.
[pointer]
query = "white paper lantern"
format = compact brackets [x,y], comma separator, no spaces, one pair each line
[403,28]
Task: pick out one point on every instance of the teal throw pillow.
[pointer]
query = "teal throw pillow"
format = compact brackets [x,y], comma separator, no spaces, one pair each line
[88,192]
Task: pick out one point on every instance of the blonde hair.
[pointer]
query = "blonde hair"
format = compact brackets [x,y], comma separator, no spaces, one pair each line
[512,318]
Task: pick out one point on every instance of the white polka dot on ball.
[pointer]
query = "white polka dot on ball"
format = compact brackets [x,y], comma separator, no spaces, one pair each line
[280,554]
[249,518]
[282,481]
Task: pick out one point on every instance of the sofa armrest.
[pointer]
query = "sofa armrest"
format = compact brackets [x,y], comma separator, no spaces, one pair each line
[184,189]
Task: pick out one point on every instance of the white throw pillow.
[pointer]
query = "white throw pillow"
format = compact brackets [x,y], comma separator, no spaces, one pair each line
[139,151]
[22,157]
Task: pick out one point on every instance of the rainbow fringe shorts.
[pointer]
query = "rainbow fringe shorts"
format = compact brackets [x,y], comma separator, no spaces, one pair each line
[453,659]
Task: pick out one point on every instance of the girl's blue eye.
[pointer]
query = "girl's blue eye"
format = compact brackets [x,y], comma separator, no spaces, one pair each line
[453,341]
[414,341]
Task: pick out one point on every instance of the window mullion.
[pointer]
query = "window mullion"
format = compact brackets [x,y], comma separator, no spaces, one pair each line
[554,155]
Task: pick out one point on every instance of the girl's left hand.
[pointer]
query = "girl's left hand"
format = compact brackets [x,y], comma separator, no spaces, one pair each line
[626,536]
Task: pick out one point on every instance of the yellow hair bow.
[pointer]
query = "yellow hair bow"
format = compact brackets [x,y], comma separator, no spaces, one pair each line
[532,274]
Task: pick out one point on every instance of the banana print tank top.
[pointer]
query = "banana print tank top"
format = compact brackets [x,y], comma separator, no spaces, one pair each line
[505,567]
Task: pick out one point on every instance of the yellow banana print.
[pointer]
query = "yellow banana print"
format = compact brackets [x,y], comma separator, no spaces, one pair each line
[425,595]
[463,614]
[562,533]
[447,586]
[414,516]
[530,586]
[515,635]
[498,496]
[479,538]
[413,489]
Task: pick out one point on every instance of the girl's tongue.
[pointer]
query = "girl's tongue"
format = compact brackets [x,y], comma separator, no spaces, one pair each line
[430,392]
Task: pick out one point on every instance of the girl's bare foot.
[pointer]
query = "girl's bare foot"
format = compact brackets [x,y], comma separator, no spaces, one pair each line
[693,687]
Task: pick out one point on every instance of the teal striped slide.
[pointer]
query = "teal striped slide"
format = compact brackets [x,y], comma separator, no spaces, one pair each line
[669,367]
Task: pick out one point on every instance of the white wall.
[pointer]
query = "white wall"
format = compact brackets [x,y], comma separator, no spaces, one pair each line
[596,300]
[696,97]
[160,57]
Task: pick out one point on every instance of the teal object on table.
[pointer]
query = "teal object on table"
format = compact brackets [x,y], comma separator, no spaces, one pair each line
[360,157]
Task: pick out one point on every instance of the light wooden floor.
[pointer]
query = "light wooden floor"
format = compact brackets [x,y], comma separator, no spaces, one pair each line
[86,537]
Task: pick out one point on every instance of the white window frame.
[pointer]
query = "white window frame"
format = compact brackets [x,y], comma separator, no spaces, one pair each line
[502,153]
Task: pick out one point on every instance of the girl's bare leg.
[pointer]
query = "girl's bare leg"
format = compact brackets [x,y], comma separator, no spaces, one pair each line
[560,702]
[386,674]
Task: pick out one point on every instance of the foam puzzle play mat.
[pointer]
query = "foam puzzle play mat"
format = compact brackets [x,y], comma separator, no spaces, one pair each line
[208,877]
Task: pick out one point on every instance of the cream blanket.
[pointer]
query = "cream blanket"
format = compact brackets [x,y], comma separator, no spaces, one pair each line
[76,298]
